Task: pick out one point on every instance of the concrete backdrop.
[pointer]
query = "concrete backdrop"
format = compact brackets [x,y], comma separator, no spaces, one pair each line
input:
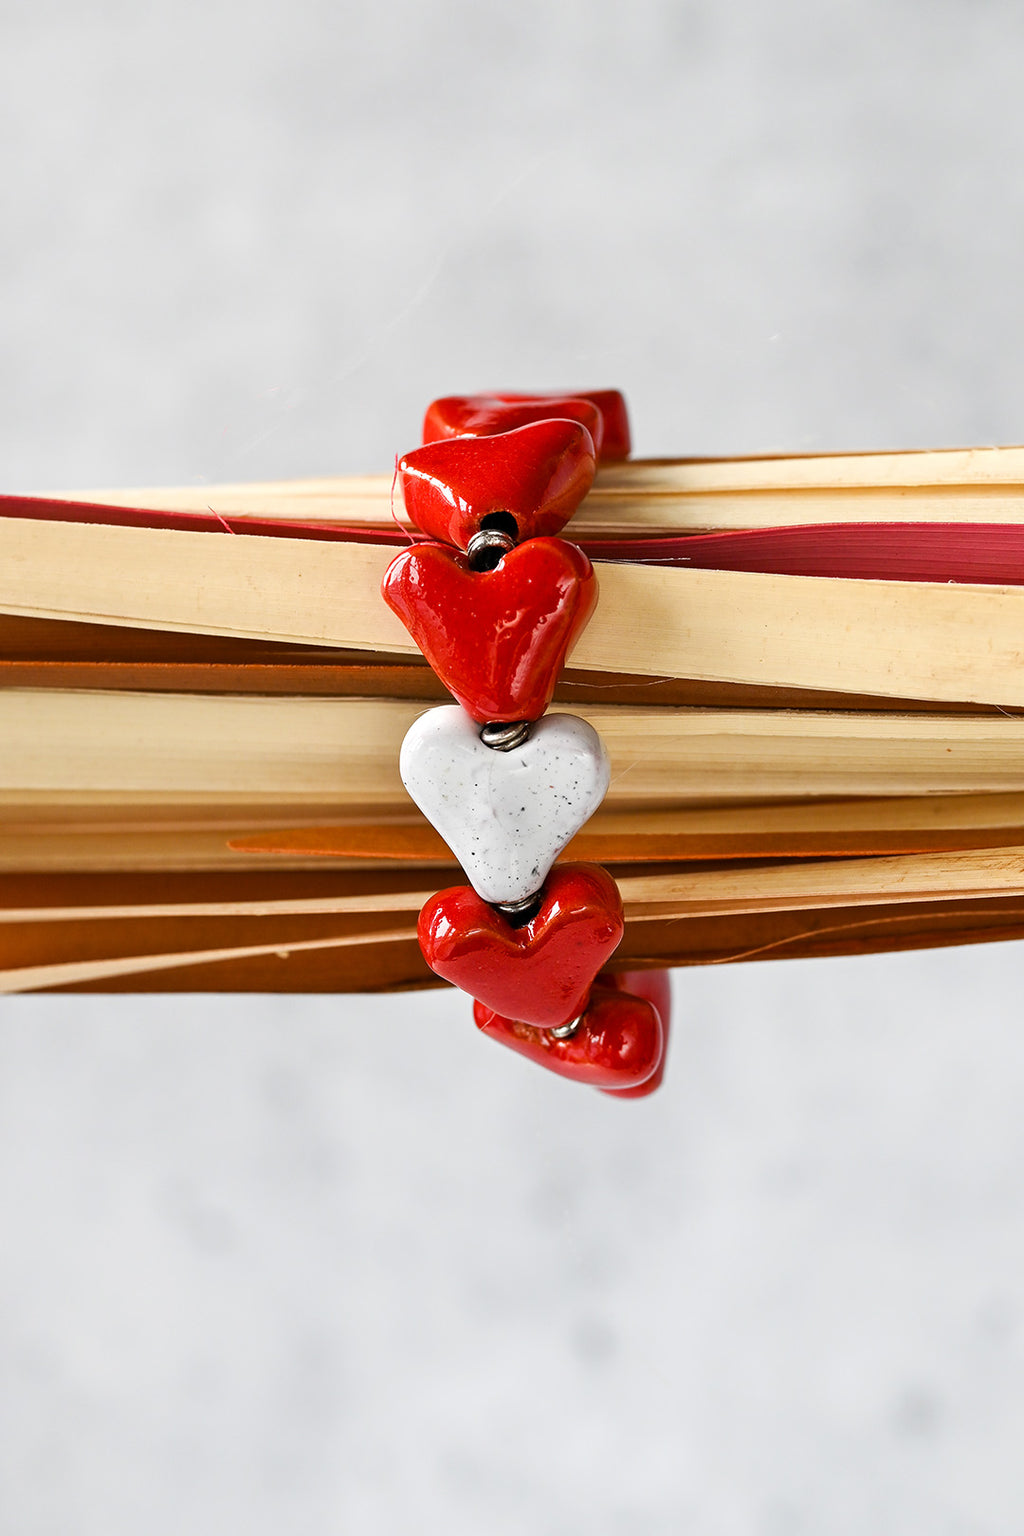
[339,1264]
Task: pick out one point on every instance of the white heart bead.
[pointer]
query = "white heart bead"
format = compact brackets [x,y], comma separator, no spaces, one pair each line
[505,815]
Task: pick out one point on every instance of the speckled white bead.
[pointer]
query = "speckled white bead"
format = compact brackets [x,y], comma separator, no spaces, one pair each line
[505,815]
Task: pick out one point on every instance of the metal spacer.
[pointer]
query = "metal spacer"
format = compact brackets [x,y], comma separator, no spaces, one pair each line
[566,1031]
[519,913]
[505,736]
[486,548]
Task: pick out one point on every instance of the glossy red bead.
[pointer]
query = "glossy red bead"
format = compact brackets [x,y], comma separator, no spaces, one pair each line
[497,639]
[655,986]
[615,441]
[541,972]
[537,475]
[602,412]
[617,1045]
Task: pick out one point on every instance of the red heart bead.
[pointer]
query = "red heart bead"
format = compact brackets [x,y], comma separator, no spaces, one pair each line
[487,415]
[601,411]
[615,436]
[617,1045]
[655,986]
[541,972]
[537,474]
[497,639]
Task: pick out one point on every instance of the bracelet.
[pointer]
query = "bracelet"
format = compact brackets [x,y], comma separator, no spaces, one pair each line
[495,600]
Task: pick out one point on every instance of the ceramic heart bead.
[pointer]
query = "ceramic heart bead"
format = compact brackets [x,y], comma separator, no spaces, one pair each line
[505,815]
[656,987]
[615,442]
[601,411]
[536,476]
[542,971]
[618,1044]
[497,639]
[484,415]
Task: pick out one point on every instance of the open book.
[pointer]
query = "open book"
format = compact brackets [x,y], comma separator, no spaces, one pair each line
[809,674]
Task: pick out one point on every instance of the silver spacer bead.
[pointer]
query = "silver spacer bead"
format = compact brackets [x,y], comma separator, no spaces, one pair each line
[505,736]
[566,1031]
[486,548]
[514,909]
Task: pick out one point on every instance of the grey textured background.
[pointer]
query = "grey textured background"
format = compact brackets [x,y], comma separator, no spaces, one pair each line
[339,1265]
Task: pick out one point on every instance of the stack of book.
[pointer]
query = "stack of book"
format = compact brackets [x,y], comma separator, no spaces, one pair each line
[809,673]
